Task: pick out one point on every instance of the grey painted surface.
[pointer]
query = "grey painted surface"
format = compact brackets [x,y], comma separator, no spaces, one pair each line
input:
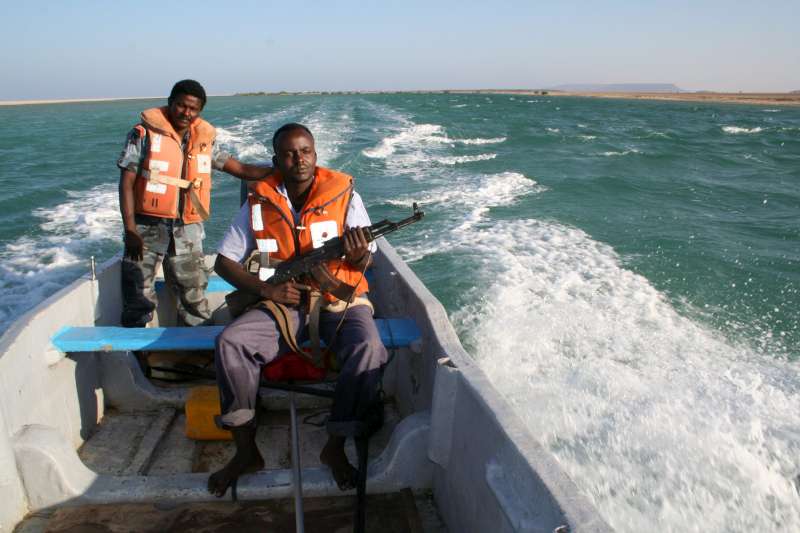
[54,475]
[13,504]
[42,387]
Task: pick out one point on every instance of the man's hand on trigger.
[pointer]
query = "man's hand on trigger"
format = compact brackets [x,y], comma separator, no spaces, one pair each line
[134,245]
[289,293]
[356,247]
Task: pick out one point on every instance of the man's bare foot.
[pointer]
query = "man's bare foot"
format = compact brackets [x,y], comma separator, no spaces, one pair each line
[246,461]
[333,457]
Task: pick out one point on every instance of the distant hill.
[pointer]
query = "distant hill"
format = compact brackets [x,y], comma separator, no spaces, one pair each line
[794,92]
[619,88]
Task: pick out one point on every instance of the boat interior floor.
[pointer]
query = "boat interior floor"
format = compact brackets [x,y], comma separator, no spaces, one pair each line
[153,443]
[399,512]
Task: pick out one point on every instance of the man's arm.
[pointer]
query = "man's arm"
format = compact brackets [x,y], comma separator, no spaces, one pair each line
[245,171]
[134,246]
[356,248]
[234,273]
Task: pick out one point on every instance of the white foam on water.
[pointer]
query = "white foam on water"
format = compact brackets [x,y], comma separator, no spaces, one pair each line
[488,190]
[242,143]
[469,197]
[753,158]
[459,105]
[588,137]
[419,135]
[735,130]
[332,128]
[455,160]
[251,139]
[662,423]
[415,134]
[616,153]
[771,110]
[34,267]
[492,140]
[553,130]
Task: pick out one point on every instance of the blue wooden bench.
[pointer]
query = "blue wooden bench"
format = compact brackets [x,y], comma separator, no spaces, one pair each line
[217,284]
[395,333]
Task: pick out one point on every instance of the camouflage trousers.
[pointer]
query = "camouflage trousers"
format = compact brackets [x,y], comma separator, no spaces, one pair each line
[180,247]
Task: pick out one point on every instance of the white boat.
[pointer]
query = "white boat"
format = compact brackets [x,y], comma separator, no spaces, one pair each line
[88,428]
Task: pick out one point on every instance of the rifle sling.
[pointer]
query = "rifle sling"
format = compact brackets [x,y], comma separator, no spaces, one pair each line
[315,300]
[283,318]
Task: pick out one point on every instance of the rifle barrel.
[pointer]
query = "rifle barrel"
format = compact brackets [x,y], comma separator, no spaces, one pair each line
[334,249]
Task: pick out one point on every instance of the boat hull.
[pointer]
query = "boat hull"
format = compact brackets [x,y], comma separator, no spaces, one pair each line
[456,435]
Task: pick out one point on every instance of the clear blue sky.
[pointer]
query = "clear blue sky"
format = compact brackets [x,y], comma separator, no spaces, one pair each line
[84,48]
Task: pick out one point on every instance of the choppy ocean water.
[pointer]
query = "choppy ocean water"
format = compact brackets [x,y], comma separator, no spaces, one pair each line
[625,272]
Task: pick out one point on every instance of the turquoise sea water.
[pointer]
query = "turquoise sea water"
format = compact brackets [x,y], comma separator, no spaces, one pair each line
[625,272]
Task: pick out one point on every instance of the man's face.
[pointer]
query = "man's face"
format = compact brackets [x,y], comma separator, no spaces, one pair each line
[295,156]
[182,110]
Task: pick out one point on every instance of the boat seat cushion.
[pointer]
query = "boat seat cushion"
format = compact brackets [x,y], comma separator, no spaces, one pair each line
[395,333]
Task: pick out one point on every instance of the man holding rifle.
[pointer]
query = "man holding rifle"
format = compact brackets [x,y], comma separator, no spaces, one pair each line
[294,211]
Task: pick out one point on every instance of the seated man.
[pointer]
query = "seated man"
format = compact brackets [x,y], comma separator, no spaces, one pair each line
[290,213]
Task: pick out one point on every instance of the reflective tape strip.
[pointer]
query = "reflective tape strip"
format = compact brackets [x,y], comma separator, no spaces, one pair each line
[267,246]
[258,224]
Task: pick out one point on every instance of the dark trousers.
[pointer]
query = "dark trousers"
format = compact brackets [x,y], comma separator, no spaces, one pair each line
[180,248]
[253,340]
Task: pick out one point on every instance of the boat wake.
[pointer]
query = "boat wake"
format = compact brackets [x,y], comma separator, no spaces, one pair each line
[665,425]
[58,249]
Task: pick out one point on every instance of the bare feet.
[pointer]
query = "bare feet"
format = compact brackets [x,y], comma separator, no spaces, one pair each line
[246,461]
[333,457]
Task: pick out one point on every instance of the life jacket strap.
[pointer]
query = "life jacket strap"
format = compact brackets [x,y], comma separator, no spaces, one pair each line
[156,177]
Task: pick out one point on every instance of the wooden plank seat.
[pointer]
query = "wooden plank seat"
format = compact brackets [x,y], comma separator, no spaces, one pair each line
[394,332]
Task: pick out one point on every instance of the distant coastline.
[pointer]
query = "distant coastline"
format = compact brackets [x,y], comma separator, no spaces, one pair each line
[709,97]
[790,99]
[75,100]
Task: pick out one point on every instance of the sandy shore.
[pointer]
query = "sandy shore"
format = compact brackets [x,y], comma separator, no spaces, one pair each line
[76,100]
[729,98]
[709,97]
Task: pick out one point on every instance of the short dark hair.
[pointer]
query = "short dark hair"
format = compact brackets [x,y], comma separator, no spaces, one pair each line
[286,128]
[190,87]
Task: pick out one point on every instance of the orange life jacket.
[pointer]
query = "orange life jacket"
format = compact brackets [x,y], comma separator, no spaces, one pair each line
[165,174]
[322,217]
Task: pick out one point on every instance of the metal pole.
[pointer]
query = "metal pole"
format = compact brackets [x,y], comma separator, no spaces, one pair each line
[297,479]
[360,519]
[242,193]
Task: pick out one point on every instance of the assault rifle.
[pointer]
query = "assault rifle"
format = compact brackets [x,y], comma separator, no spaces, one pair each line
[312,263]
[334,249]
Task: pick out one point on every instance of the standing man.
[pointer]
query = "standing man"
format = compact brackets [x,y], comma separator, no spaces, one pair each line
[164,197]
[292,212]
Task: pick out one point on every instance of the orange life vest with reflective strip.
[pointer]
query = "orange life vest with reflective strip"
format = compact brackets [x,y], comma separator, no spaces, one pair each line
[322,217]
[165,174]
